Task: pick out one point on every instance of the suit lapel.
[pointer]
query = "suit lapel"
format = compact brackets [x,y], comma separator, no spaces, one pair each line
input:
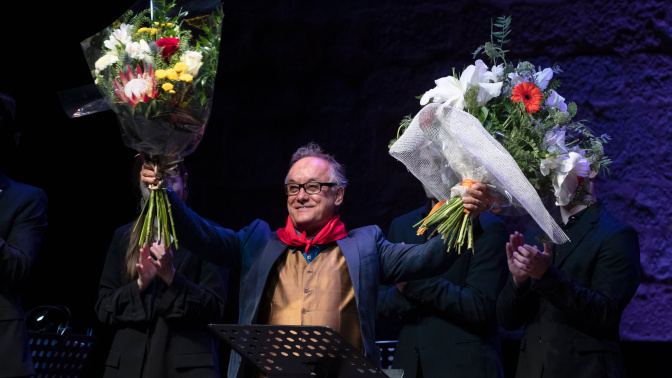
[576,234]
[274,248]
[350,252]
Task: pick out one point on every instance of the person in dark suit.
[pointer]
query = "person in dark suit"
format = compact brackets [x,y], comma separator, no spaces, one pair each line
[23,222]
[313,271]
[158,302]
[570,297]
[448,323]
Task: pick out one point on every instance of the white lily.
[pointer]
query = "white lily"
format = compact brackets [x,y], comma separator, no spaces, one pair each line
[450,91]
[121,36]
[566,180]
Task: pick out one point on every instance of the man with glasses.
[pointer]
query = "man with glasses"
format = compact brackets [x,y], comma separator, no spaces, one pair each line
[313,272]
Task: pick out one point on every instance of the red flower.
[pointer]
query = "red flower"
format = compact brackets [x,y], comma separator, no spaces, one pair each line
[529,94]
[168,47]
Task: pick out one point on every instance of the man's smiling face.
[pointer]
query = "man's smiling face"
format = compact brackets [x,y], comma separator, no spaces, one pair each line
[311,212]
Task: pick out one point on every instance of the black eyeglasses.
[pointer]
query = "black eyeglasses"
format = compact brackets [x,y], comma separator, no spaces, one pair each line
[309,187]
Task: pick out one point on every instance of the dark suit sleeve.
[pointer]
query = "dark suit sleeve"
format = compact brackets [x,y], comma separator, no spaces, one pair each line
[474,301]
[26,229]
[405,262]
[516,305]
[392,303]
[202,301]
[615,279]
[120,302]
[211,242]
[204,238]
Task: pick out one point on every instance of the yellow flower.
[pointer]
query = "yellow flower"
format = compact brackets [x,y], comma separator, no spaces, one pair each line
[156,23]
[171,91]
[181,67]
[186,77]
[171,74]
[167,87]
[151,31]
[160,74]
[169,24]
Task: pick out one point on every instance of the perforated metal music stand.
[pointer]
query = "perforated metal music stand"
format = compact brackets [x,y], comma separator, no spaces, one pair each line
[297,351]
[56,355]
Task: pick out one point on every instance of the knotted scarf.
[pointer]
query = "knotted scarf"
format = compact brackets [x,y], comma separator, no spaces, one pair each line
[334,230]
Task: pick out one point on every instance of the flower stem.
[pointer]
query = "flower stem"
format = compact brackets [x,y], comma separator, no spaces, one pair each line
[172,223]
[454,224]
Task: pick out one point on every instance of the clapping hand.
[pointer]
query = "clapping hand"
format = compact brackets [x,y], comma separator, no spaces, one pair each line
[526,261]
[163,263]
[146,270]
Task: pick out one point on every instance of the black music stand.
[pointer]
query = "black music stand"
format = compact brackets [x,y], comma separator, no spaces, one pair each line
[56,355]
[297,351]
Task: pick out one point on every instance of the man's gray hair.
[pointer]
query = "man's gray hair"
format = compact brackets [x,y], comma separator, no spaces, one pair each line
[312,149]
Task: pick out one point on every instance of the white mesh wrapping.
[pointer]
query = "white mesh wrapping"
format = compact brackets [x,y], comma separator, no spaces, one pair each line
[454,144]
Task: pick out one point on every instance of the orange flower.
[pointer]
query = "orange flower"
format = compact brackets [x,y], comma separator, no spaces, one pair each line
[529,94]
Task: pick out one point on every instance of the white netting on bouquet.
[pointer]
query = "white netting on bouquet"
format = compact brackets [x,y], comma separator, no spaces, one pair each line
[444,145]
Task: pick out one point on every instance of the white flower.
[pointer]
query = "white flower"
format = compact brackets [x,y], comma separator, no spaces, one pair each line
[554,141]
[137,87]
[498,72]
[139,50]
[554,100]
[106,60]
[515,79]
[193,60]
[450,91]
[488,87]
[146,50]
[549,164]
[121,36]
[566,180]
[542,78]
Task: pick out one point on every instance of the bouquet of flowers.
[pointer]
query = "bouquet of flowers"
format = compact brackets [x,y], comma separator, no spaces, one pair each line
[505,126]
[155,68]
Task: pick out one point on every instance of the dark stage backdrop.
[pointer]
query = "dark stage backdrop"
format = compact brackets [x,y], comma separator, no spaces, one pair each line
[342,74]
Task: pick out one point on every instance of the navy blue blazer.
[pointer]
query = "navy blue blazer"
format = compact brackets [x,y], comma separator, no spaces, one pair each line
[572,314]
[23,221]
[254,250]
[449,324]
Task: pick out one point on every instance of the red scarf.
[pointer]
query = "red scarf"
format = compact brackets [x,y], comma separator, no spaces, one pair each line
[334,230]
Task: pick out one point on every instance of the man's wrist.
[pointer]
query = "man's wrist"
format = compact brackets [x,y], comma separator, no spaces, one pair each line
[520,283]
[168,277]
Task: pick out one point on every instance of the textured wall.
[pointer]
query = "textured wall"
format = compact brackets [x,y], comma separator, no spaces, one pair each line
[343,73]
